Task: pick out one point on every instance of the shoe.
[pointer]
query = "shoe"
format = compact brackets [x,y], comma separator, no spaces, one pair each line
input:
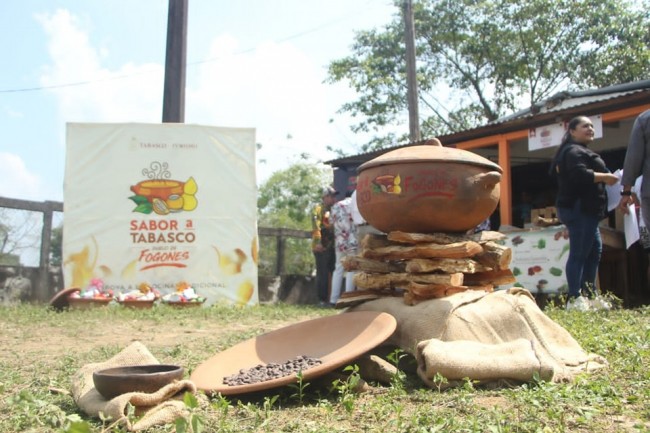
[600,303]
[580,304]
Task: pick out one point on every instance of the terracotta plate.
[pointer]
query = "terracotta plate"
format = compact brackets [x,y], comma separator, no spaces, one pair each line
[335,340]
[60,300]
[85,303]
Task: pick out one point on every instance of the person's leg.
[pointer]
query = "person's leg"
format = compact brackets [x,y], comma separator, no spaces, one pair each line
[574,265]
[337,278]
[644,233]
[349,282]
[592,258]
[349,275]
[322,275]
[647,282]
[331,262]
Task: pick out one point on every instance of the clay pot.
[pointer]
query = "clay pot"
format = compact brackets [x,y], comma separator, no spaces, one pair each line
[149,378]
[427,188]
[159,188]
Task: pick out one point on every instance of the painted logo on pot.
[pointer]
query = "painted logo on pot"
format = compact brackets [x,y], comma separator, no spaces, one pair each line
[431,183]
[387,183]
[425,183]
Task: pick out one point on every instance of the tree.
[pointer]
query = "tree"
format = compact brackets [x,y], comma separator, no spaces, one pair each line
[285,201]
[480,60]
[19,234]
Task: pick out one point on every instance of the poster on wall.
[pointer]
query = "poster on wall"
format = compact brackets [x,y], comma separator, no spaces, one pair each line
[551,135]
[545,136]
[539,259]
[170,206]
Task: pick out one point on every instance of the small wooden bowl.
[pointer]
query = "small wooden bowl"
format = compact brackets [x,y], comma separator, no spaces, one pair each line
[86,303]
[149,378]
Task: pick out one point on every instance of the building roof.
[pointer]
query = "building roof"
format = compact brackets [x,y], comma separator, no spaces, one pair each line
[560,106]
[565,100]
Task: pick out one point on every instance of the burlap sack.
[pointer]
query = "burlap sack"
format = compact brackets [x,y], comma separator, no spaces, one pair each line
[485,337]
[163,406]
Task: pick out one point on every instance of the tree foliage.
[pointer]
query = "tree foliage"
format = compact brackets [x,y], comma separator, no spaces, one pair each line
[477,61]
[19,234]
[286,198]
[285,201]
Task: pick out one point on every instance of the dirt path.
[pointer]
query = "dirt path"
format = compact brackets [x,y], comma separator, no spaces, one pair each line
[28,341]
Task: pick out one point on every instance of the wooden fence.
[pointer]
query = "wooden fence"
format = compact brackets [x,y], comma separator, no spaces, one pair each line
[281,235]
[47,208]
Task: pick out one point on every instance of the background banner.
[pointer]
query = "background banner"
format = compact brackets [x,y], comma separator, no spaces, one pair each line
[162,204]
[539,259]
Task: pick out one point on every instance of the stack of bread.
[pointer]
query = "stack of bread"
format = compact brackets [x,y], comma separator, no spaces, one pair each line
[419,266]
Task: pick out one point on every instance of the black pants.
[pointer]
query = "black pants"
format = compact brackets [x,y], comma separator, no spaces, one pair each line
[325,262]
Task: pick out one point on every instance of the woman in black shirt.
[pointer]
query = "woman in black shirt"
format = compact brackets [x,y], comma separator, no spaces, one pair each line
[581,204]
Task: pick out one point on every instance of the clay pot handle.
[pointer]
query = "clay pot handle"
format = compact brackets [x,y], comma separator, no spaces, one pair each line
[487,180]
[433,142]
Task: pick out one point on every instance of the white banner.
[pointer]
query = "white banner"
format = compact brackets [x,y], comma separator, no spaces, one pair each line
[551,135]
[545,136]
[539,259]
[162,204]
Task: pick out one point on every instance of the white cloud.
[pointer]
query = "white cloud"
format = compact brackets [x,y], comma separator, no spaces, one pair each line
[10,112]
[16,181]
[276,89]
[131,93]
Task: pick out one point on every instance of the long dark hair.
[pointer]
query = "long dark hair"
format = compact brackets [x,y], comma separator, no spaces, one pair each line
[566,139]
[573,124]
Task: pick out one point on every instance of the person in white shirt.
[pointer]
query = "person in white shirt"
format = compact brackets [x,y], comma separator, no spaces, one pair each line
[356,215]
[345,243]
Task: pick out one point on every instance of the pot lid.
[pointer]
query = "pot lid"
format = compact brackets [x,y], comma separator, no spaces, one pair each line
[430,153]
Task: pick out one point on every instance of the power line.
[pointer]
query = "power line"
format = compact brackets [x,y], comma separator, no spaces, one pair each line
[198,62]
[78,83]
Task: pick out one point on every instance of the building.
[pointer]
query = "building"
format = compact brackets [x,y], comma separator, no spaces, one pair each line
[524,143]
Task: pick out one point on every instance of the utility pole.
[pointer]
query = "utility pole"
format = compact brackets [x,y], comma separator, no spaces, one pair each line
[175,63]
[411,79]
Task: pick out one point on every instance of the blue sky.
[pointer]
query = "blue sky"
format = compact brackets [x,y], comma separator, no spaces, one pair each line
[251,63]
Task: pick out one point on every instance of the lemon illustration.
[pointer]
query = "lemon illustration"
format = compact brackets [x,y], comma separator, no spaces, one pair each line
[397,189]
[106,271]
[130,270]
[397,180]
[189,202]
[190,186]
[229,264]
[244,292]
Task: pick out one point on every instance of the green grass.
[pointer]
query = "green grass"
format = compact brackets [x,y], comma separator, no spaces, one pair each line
[42,349]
